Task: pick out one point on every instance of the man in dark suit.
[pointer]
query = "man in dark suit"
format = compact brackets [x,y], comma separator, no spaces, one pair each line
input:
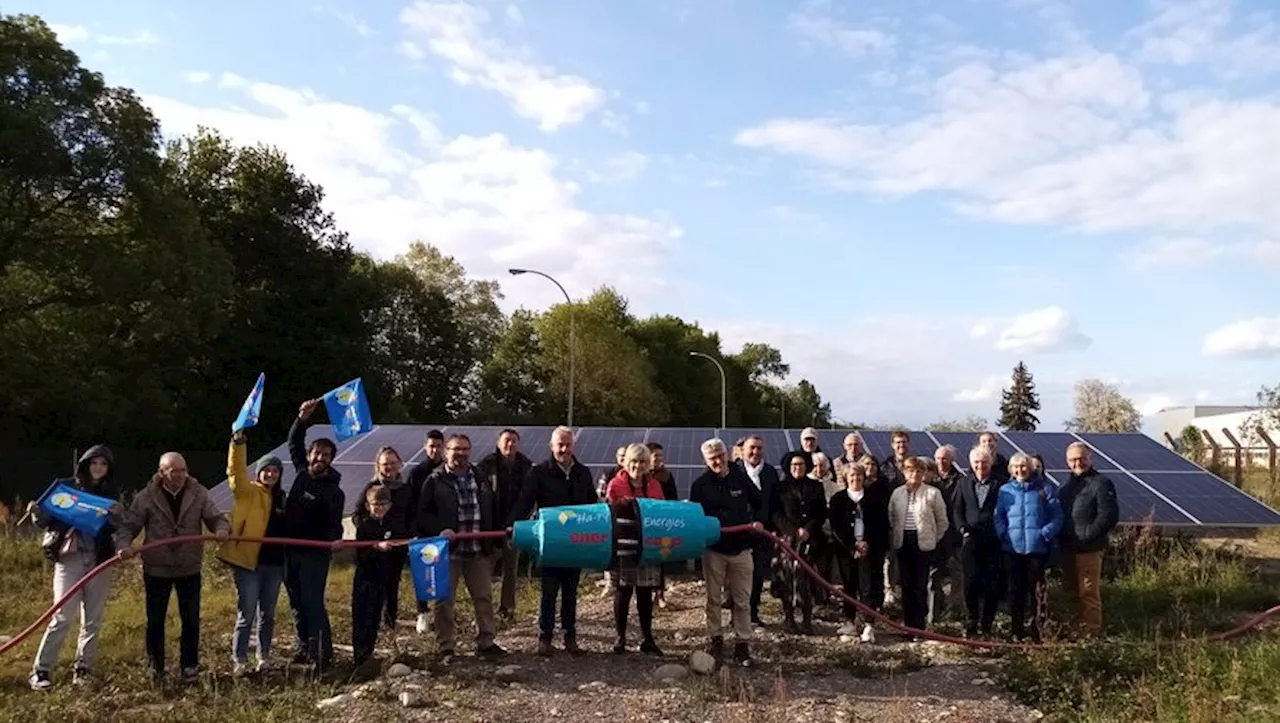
[765,478]
[980,552]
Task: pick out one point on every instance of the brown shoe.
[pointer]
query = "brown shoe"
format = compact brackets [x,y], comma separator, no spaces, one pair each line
[571,647]
[545,649]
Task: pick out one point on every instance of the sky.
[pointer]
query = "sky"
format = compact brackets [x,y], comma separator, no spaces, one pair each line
[906,197]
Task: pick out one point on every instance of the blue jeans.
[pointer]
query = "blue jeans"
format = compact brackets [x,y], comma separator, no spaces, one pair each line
[256,594]
[562,581]
[306,573]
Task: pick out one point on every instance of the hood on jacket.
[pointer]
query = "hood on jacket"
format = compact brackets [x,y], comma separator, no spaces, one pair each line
[82,465]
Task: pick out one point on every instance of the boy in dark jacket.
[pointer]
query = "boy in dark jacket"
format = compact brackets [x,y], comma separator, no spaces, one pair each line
[368,592]
[313,511]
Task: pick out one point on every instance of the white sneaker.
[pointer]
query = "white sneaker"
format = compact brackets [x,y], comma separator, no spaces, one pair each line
[263,665]
[424,623]
[40,680]
[239,670]
[868,635]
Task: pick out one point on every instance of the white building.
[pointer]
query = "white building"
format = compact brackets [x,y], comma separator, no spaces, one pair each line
[1214,419]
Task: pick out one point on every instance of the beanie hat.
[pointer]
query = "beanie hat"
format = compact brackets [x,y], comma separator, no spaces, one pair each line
[270,462]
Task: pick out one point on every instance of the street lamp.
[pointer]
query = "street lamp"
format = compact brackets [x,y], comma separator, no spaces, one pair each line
[572,332]
[722,383]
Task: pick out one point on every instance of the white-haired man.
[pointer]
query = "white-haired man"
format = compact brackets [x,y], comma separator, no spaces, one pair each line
[1091,509]
[173,504]
[980,547]
[559,481]
[727,494]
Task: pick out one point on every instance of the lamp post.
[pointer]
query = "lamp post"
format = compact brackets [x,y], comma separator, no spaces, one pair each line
[722,383]
[572,332]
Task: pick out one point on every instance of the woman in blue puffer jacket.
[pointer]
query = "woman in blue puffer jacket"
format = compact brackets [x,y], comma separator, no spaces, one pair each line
[1028,520]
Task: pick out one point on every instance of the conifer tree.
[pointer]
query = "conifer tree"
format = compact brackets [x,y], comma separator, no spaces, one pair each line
[1019,402]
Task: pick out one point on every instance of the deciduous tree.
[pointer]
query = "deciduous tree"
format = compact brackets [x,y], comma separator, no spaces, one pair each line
[1099,407]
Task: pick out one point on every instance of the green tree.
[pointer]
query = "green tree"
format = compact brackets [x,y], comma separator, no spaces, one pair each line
[1019,402]
[1100,407]
[475,300]
[1267,416]
[971,423]
[805,407]
[690,385]
[1191,444]
[513,380]
[613,383]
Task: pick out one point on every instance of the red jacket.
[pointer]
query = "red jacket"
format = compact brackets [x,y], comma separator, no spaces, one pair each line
[619,488]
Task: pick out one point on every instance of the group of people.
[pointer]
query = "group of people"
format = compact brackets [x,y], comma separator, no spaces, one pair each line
[938,539]
[905,523]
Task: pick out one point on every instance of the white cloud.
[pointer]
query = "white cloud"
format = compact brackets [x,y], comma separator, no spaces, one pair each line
[456,33]
[1174,251]
[1257,338]
[642,107]
[1187,33]
[196,77]
[411,50]
[355,24]
[814,24]
[986,390]
[70,33]
[1042,331]
[1082,140]
[621,168]
[514,15]
[141,37]
[1150,404]
[1264,252]
[488,202]
[1204,395]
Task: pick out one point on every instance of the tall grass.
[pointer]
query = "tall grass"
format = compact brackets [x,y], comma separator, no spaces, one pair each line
[1163,588]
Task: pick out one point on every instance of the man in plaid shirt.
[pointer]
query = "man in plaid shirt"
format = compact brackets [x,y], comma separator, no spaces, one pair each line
[455,499]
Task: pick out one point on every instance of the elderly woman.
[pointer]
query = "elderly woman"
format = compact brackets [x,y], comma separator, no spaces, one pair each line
[826,562]
[387,469]
[799,509]
[859,522]
[258,511]
[918,516]
[632,483]
[1028,519]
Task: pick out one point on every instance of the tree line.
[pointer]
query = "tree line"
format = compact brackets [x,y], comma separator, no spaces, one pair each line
[145,284]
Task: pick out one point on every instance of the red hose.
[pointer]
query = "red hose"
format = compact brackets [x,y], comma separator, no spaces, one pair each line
[498,534]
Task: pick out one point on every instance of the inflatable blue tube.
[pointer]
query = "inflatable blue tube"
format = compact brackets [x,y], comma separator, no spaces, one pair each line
[674,531]
[579,536]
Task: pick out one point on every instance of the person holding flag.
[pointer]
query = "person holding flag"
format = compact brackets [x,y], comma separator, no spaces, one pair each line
[313,511]
[75,553]
[258,569]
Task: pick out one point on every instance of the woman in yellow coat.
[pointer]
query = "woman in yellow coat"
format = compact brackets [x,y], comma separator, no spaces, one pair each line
[258,568]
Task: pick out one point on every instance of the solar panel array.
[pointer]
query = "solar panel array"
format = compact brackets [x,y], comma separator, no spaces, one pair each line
[1152,481]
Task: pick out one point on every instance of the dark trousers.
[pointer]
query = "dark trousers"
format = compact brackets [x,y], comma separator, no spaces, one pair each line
[913,570]
[158,591]
[1026,580]
[863,579]
[622,610]
[368,594]
[306,573]
[397,558]
[761,558]
[562,582]
[795,588]
[983,579]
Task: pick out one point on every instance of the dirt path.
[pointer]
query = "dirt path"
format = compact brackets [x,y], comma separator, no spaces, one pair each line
[795,678]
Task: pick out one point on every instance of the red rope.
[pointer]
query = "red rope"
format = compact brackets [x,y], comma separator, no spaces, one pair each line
[755,528]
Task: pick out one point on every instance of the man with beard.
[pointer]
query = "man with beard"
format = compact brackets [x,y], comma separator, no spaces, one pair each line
[313,511]
[433,451]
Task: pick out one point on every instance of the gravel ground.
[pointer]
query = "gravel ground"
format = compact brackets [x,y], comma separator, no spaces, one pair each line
[795,678]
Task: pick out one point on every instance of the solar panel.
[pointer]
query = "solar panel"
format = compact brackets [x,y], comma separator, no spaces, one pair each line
[598,446]
[1210,499]
[1151,480]
[1137,503]
[683,446]
[1052,446]
[776,443]
[878,443]
[1138,453]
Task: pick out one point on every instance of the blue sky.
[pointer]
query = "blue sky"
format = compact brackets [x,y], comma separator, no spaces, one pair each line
[905,197]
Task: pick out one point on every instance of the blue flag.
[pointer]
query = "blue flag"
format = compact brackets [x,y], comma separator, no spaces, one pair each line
[429,568]
[75,507]
[251,408]
[348,409]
